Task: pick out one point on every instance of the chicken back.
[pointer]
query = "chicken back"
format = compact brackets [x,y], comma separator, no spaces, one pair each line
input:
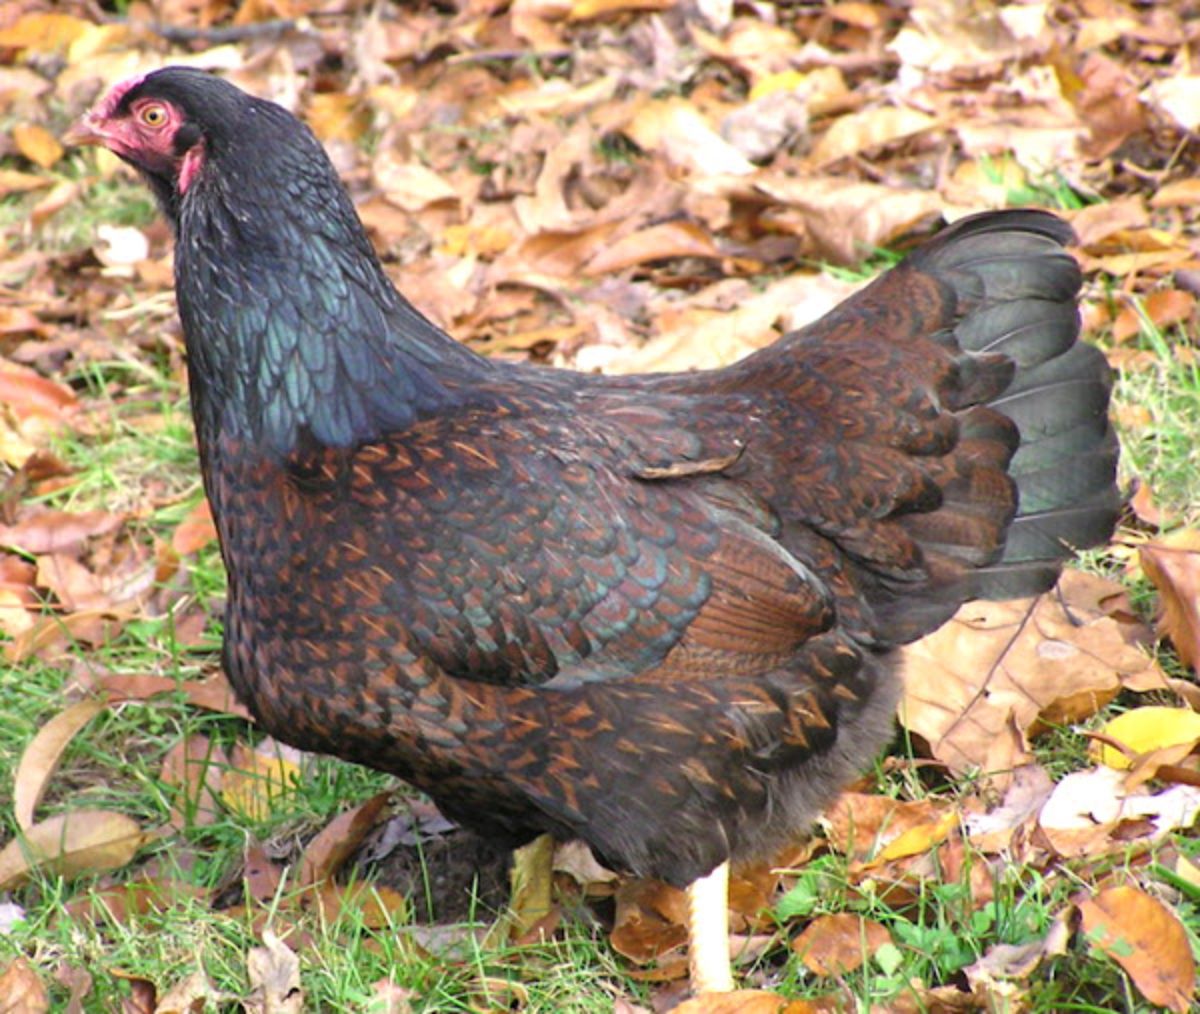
[658,613]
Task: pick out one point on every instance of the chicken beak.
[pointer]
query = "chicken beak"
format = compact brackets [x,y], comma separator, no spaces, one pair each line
[85,130]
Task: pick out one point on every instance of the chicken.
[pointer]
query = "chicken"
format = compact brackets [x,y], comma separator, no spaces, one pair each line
[658,613]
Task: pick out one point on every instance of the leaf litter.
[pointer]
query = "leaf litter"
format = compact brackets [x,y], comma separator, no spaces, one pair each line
[623,185]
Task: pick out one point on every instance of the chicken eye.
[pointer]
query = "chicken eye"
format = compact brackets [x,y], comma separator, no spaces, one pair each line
[153,115]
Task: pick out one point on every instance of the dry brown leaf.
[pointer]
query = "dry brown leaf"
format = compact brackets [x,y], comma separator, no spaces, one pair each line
[833,945]
[43,32]
[274,973]
[845,220]
[1143,503]
[374,907]
[1178,98]
[1174,569]
[680,132]
[1096,225]
[650,920]
[78,981]
[262,876]
[1106,98]
[79,841]
[859,132]
[975,688]
[27,393]
[41,757]
[993,831]
[53,531]
[76,588]
[945,35]
[212,693]
[21,991]
[1004,962]
[410,185]
[670,239]
[190,995]
[1146,939]
[1177,194]
[336,116]
[326,853]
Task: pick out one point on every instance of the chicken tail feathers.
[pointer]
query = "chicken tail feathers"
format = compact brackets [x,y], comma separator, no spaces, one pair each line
[1016,288]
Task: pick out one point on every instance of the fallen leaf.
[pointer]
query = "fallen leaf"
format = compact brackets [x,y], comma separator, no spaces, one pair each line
[41,757]
[871,128]
[670,239]
[274,974]
[862,826]
[37,144]
[195,766]
[833,945]
[193,993]
[1146,939]
[976,687]
[1141,730]
[53,531]
[256,779]
[650,920]
[743,1001]
[1174,569]
[1085,808]
[195,531]
[1160,310]
[79,841]
[1178,97]
[680,132]
[21,991]
[326,853]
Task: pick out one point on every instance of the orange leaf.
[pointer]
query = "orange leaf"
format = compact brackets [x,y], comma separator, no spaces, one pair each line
[195,531]
[836,944]
[1161,309]
[1175,572]
[1146,939]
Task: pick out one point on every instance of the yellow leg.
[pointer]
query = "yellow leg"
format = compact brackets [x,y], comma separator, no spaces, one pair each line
[708,933]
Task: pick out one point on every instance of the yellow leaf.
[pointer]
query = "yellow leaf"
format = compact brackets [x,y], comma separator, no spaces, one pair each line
[256,779]
[1146,729]
[43,33]
[919,839]
[784,81]
[336,116]
[37,144]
